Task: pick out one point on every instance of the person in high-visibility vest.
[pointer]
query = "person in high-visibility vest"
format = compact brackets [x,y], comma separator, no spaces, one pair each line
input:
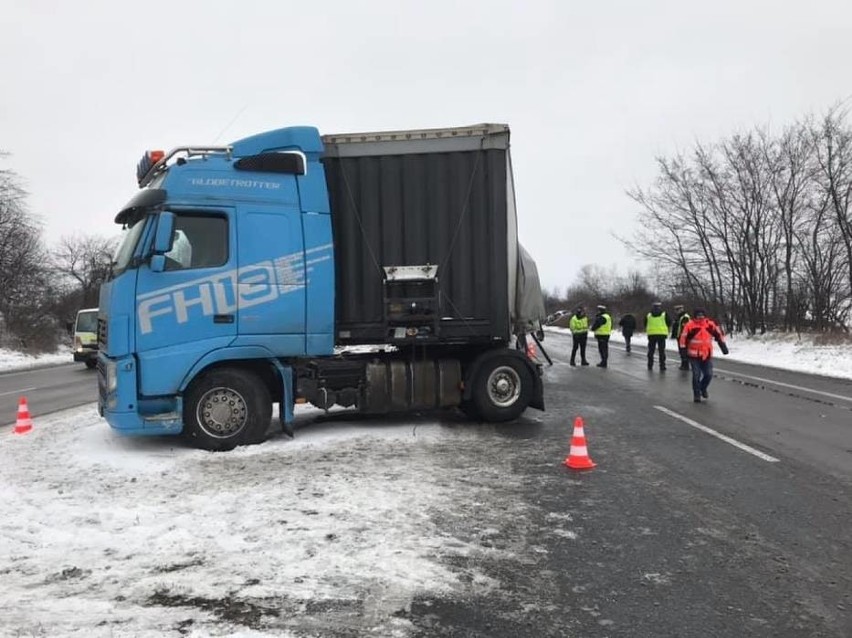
[697,337]
[579,326]
[602,327]
[680,320]
[657,324]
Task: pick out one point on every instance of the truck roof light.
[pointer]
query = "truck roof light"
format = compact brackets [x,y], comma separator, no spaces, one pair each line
[148,161]
[155,161]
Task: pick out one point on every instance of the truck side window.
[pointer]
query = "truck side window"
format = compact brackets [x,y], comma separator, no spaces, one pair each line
[200,241]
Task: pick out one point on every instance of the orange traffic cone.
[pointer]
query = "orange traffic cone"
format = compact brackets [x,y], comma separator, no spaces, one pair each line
[24,423]
[578,456]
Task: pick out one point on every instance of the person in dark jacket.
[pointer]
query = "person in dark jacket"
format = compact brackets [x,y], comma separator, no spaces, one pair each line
[681,319]
[697,337]
[657,324]
[602,327]
[579,326]
[628,327]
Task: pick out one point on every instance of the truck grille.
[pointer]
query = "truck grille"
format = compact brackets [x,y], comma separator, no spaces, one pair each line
[102,333]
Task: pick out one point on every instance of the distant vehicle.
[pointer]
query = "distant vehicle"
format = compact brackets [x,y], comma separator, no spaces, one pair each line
[86,337]
[557,315]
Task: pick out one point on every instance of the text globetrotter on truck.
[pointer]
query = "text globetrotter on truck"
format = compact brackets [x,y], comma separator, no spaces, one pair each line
[247,270]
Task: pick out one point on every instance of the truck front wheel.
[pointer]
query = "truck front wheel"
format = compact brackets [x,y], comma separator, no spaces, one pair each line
[225,408]
[503,388]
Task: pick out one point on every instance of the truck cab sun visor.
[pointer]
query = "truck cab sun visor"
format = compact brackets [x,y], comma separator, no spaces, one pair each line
[144,199]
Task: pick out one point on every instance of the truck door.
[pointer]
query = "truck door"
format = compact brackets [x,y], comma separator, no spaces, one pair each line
[190,308]
[271,287]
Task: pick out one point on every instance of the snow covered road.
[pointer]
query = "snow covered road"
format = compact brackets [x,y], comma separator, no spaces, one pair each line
[104,536]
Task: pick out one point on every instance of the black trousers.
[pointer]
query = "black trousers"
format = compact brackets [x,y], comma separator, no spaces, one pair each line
[603,348]
[579,342]
[657,342]
[628,335]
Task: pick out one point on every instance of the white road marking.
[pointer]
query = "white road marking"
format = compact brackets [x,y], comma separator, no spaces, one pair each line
[21,391]
[718,435]
[786,385]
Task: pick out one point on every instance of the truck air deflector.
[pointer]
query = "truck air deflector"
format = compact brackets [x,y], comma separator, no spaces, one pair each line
[304,138]
[145,199]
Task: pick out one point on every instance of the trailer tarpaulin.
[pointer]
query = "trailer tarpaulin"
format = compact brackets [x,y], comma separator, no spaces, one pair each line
[529,313]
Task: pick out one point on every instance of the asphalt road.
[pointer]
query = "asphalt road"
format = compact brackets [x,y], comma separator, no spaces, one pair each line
[46,390]
[676,532]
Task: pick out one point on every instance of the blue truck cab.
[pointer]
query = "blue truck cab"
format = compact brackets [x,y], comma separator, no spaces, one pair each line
[227,294]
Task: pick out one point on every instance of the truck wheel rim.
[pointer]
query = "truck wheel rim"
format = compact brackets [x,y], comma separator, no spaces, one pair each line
[221,412]
[504,386]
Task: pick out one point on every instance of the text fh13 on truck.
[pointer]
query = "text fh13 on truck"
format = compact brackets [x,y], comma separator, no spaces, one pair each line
[248,273]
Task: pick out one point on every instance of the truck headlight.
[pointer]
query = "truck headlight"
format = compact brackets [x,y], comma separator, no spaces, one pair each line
[111,377]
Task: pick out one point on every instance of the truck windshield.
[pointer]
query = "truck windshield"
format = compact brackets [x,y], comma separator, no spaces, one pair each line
[127,246]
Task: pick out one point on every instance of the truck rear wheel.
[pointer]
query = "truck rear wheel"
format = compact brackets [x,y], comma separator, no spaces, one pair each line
[226,408]
[503,388]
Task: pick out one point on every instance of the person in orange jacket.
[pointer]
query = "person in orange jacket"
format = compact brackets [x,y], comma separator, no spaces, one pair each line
[697,337]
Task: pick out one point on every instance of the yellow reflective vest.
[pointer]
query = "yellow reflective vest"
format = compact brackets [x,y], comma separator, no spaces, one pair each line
[656,326]
[606,329]
[578,325]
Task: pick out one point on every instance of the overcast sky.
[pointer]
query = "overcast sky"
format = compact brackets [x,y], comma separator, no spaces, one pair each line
[593,91]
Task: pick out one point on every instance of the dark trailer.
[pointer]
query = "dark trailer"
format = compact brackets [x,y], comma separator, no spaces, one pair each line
[426,238]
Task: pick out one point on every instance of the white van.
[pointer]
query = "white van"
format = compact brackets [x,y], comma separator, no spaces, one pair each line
[86,337]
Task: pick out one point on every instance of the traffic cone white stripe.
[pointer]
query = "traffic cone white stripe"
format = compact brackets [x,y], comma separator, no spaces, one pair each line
[24,423]
[578,455]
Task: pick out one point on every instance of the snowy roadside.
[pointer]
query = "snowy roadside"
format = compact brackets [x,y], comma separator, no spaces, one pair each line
[344,525]
[787,352]
[12,360]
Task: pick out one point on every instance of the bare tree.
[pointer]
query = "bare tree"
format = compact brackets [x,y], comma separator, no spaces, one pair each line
[676,235]
[86,260]
[791,166]
[22,255]
[834,156]
[756,227]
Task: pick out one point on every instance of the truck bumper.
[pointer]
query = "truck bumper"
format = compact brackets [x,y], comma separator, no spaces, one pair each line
[119,404]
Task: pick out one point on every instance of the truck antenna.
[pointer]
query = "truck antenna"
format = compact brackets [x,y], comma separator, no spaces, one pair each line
[229,124]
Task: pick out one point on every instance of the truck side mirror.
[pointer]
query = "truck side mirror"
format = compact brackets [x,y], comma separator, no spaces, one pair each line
[158,263]
[165,233]
[163,240]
